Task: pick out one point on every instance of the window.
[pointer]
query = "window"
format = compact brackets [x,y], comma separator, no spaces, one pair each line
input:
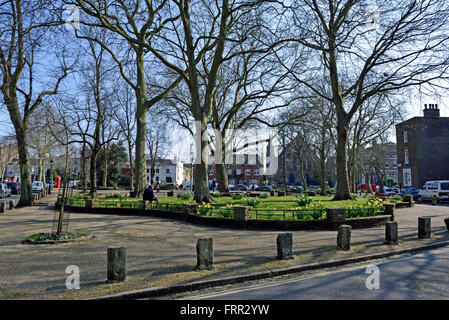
[405,136]
[406,156]
[445,186]
[256,172]
[432,186]
[238,172]
[230,172]
[407,175]
[248,172]
[157,170]
[167,170]
[168,179]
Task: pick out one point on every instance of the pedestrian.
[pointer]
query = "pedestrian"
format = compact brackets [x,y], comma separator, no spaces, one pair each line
[157,187]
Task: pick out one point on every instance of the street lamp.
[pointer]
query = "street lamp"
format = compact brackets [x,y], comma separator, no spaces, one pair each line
[51,174]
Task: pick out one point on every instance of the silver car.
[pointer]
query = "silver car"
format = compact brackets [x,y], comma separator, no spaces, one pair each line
[4,191]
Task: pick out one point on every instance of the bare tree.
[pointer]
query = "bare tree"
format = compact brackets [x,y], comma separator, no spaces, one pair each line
[134,24]
[404,47]
[158,145]
[124,117]
[207,35]
[24,27]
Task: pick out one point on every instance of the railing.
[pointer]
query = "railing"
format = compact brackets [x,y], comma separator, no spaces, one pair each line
[168,206]
[289,214]
[218,212]
[223,211]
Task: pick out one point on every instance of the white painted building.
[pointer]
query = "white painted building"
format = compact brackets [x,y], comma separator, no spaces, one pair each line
[168,171]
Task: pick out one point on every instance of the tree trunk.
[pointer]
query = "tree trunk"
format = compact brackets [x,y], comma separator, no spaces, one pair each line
[26,194]
[131,174]
[105,168]
[343,190]
[222,176]
[303,176]
[368,183]
[93,173]
[141,118]
[322,174]
[64,192]
[83,167]
[200,178]
[42,171]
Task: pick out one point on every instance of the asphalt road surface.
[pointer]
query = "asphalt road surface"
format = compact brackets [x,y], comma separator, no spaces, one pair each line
[408,277]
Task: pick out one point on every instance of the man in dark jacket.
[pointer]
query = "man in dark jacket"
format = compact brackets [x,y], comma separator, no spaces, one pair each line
[148,194]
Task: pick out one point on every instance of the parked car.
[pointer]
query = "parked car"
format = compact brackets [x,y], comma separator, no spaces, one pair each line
[387,191]
[4,190]
[297,187]
[14,186]
[253,187]
[437,188]
[240,187]
[411,191]
[231,187]
[364,186]
[265,188]
[37,186]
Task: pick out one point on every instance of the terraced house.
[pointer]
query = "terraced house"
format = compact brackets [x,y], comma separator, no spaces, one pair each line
[423,148]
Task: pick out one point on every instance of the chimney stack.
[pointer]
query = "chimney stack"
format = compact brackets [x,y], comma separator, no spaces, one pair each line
[431,111]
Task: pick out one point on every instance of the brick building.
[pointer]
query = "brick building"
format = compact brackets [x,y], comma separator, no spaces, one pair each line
[248,172]
[423,148]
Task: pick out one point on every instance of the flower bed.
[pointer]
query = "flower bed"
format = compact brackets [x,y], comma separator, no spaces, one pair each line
[270,209]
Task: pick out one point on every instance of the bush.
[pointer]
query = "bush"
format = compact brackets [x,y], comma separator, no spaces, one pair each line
[237,196]
[395,199]
[303,200]
[184,196]
[216,194]
[263,196]
[251,202]
[116,196]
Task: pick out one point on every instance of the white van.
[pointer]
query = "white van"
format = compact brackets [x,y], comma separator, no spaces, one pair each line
[437,188]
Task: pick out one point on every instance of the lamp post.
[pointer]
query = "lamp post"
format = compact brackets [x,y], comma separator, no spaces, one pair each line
[51,176]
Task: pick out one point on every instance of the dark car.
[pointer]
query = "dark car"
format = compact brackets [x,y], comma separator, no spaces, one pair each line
[411,191]
[241,187]
[14,186]
[265,188]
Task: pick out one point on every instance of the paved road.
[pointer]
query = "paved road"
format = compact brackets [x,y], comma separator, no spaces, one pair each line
[420,276]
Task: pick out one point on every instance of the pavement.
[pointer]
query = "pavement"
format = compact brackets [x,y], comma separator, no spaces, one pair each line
[421,276]
[162,252]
